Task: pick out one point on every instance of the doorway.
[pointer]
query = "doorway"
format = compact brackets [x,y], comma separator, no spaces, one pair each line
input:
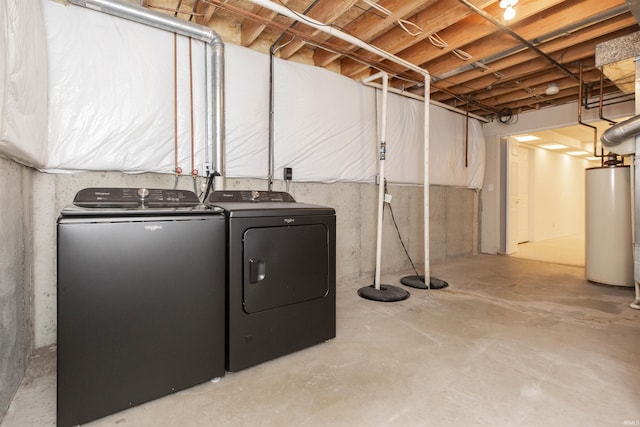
[518,191]
[545,200]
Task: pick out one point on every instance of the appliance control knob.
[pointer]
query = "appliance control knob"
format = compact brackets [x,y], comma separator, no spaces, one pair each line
[255,195]
[143,193]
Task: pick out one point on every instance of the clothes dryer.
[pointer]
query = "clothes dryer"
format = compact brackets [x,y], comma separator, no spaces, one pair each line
[281,275]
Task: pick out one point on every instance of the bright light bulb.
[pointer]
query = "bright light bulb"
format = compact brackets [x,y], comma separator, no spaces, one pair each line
[509,13]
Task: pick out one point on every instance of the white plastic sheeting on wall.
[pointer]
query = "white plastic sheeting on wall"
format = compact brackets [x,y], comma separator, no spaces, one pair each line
[325,125]
[447,150]
[23,82]
[112,94]
[447,135]
[112,108]
[247,112]
[405,156]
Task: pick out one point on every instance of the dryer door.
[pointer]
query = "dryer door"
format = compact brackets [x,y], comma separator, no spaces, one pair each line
[284,265]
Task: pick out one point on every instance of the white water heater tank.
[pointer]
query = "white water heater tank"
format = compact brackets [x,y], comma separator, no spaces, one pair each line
[608,236]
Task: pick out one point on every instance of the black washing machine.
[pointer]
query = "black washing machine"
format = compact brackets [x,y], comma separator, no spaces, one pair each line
[281,275]
[141,299]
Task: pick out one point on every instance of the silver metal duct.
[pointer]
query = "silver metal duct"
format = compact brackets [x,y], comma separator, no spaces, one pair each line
[215,76]
[621,132]
[634,7]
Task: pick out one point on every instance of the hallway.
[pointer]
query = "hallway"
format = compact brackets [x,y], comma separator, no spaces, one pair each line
[566,250]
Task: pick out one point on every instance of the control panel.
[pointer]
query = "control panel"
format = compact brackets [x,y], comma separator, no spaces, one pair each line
[251,196]
[134,198]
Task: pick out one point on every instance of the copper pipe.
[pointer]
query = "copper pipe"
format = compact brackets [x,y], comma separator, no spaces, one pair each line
[601,99]
[595,129]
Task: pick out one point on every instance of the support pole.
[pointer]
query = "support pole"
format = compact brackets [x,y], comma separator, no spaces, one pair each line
[378,292]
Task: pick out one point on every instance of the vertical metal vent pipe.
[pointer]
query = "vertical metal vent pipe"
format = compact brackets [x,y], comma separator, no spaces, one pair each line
[215,77]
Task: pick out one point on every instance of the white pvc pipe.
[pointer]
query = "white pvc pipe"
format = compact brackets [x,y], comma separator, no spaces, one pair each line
[427,94]
[395,59]
[339,34]
[431,101]
[636,250]
[382,157]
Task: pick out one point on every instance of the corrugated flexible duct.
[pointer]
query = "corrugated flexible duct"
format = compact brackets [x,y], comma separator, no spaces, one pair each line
[620,133]
[215,78]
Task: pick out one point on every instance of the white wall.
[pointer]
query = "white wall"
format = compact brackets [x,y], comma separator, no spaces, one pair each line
[557,202]
[492,189]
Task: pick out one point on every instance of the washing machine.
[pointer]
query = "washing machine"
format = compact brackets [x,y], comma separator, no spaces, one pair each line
[141,299]
[281,275]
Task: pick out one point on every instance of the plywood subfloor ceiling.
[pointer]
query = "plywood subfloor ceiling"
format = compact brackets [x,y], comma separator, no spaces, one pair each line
[478,61]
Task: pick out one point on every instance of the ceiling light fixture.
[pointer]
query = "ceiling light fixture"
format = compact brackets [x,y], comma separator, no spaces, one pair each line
[509,11]
[552,146]
[552,89]
[526,138]
[578,153]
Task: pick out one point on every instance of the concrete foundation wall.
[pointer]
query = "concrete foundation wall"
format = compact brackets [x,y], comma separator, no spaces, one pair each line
[16,291]
[454,226]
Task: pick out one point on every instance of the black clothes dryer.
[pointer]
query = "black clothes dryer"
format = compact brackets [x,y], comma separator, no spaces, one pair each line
[141,299]
[281,275]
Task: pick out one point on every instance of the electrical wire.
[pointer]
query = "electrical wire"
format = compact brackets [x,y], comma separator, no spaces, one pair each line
[376,6]
[461,54]
[304,17]
[437,41]
[370,12]
[403,23]
[210,180]
[393,218]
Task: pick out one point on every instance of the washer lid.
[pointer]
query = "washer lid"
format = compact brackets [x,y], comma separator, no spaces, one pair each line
[125,202]
[135,198]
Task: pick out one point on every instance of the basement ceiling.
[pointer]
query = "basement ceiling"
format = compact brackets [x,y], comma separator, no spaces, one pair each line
[478,61]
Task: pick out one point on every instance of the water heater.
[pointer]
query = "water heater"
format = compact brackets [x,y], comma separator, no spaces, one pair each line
[608,235]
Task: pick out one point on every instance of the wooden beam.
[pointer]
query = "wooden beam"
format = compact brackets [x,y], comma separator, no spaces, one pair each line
[526,63]
[207,10]
[326,12]
[433,19]
[251,29]
[368,26]
[467,30]
[496,43]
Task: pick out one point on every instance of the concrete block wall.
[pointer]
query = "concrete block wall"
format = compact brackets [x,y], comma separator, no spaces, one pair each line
[16,291]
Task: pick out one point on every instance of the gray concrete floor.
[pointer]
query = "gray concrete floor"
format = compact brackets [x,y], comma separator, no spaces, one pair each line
[511,342]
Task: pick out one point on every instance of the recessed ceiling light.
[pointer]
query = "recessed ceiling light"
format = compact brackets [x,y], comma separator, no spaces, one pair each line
[578,153]
[526,138]
[553,146]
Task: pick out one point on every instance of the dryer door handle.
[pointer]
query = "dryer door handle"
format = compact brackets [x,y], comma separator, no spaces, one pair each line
[257,270]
